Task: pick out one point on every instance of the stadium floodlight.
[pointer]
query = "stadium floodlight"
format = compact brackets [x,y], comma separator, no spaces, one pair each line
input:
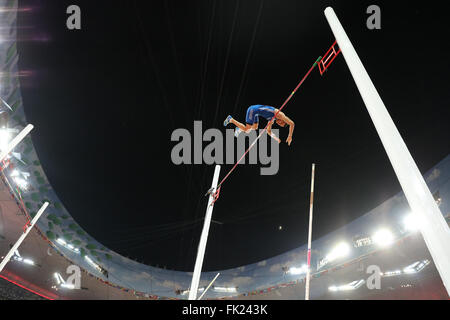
[341,250]
[28,261]
[333,288]
[411,268]
[61,283]
[22,183]
[383,237]
[69,246]
[58,278]
[5,136]
[422,265]
[416,266]
[347,287]
[295,271]
[67,286]
[225,289]
[411,222]
[391,273]
[61,241]
[92,263]
[20,178]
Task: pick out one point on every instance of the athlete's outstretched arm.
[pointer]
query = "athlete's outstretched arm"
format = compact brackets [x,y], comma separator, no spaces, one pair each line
[270,133]
[291,124]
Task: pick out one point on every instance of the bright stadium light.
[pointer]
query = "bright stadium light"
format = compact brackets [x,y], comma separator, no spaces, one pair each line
[295,271]
[347,287]
[92,263]
[383,237]
[392,273]
[5,136]
[416,266]
[61,241]
[61,283]
[57,277]
[22,183]
[411,268]
[340,251]
[224,289]
[67,286]
[20,178]
[70,247]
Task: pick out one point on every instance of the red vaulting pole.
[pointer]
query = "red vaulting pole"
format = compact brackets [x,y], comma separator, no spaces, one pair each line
[308,272]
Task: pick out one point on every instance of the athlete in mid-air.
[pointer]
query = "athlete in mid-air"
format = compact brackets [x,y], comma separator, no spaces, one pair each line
[256,111]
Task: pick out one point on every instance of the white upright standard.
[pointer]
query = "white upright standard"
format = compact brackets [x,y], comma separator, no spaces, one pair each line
[203,238]
[22,237]
[14,142]
[433,226]
[308,265]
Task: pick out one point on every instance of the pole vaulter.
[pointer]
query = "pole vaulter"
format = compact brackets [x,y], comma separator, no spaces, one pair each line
[216,191]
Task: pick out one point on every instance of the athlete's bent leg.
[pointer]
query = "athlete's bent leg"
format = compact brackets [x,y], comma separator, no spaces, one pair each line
[240,125]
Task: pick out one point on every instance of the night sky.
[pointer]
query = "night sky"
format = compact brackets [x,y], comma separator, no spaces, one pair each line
[106,99]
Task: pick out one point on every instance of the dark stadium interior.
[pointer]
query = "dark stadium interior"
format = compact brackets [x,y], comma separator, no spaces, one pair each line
[126,219]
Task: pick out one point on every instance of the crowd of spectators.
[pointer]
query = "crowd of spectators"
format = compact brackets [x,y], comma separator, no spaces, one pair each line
[9,291]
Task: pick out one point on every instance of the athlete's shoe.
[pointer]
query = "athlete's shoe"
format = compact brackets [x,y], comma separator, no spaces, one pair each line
[237,131]
[227,121]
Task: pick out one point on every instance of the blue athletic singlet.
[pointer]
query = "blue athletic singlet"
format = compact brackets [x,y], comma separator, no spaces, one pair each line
[257,110]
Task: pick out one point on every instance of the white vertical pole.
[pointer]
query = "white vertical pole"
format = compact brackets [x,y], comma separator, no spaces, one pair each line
[433,227]
[203,238]
[311,200]
[22,237]
[14,142]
